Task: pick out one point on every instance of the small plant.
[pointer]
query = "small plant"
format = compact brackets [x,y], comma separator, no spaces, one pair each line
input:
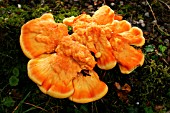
[132,109]
[162,48]
[8,101]
[149,48]
[13,80]
[148,110]
[168,94]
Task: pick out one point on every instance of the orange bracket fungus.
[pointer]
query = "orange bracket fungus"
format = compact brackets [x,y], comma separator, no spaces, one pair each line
[41,35]
[62,65]
[53,73]
[88,88]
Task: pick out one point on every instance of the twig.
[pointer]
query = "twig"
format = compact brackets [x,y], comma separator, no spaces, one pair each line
[6,55]
[1,90]
[104,2]
[162,58]
[15,109]
[151,11]
[35,106]
[21,102]
[165,61]
[165,4]
[156,20]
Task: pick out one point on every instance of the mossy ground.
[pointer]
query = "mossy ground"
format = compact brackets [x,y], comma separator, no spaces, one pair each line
[150,83]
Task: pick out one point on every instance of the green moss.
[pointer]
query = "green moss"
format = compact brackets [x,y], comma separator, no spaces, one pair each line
[152,85]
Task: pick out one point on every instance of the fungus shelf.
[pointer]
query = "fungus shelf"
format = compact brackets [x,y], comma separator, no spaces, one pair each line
[57,58]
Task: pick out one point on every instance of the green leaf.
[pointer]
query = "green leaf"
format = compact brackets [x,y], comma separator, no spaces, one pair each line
[162,48]
[154,57]
[132,109]
[148,110]
[8,101]
[149,48]
[84,108]
[120,12]
[13,81]
[77,111]
[168,94]
[15,71]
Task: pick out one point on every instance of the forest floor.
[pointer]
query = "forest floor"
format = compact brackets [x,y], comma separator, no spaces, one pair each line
[150,83]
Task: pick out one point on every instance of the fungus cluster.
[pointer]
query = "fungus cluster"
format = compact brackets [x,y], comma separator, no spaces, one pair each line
[62,64]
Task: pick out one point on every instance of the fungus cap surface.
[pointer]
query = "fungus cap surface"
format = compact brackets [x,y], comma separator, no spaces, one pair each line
[41,35]
[88,88]
[128,57]
[53,74]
